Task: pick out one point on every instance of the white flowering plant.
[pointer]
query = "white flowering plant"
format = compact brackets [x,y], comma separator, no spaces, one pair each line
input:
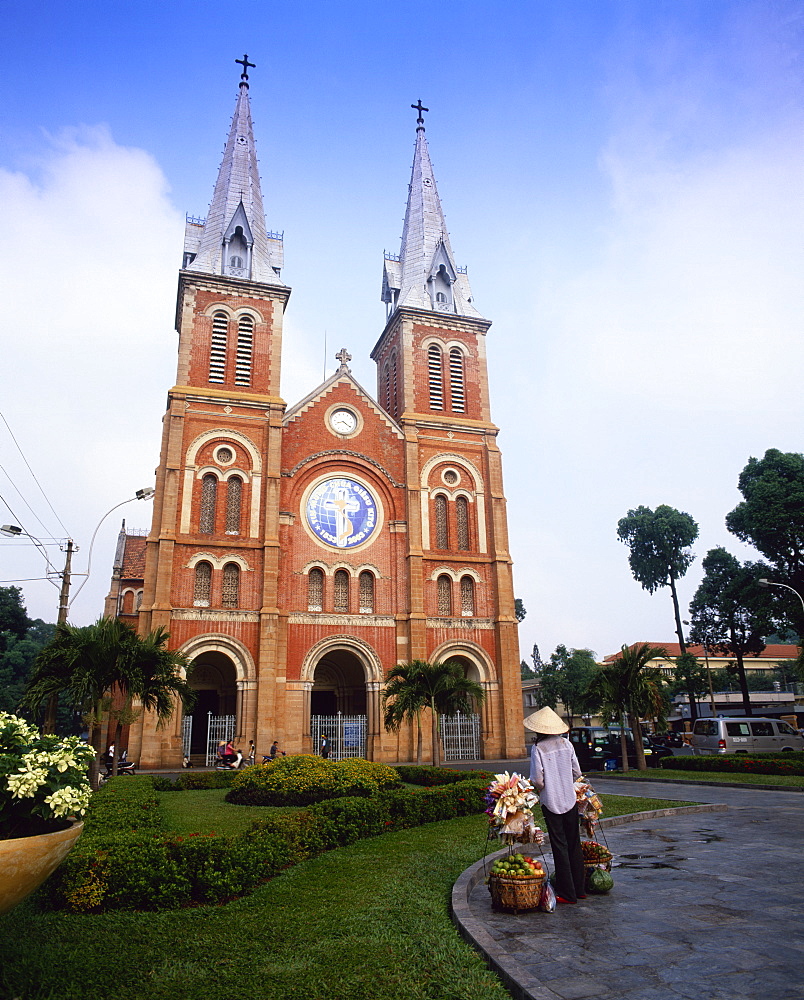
[43,779]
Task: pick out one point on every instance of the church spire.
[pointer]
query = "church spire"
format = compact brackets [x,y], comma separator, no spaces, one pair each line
[233,240]
[424,275]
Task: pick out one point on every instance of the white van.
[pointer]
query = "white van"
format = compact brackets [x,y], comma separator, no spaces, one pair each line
[745,735]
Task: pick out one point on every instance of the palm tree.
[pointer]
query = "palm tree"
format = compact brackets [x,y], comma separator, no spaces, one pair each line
[90,661]
[627,690]
[440,686]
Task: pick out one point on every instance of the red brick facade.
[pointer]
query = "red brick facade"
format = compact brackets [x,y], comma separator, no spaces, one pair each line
[281,623]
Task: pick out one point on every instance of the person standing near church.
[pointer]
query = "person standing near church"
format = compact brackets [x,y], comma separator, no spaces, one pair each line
[554,769]
[324,747]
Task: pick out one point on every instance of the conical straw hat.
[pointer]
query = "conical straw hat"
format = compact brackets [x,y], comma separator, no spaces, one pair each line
[547,722]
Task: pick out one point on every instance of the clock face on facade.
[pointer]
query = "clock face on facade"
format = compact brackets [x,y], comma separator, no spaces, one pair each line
[342,421]
[341,512]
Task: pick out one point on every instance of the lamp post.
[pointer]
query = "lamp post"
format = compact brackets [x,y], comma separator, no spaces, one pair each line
[13,530]
[773,583]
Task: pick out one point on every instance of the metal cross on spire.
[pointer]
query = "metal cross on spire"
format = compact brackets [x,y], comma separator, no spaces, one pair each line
[246,65]
[419,107]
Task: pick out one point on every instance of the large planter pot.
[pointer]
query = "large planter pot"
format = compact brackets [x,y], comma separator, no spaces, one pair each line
[26,862]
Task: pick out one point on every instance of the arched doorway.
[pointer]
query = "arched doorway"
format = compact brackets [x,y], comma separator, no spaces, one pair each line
[214,679]
[461,735]
[338,703]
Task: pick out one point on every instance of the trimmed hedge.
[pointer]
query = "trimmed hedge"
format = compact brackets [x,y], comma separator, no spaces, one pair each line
[195,781]
[117,867]
[790,763]
[420,774]
[303,779]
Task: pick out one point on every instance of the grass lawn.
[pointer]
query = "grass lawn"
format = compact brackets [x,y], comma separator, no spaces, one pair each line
[366,922]
[206,811]
[784,780]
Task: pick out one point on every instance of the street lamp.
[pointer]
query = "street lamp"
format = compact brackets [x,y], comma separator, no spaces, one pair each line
[13,530]
[773,583]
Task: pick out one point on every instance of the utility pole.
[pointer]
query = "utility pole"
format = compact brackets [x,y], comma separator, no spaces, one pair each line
[64,602]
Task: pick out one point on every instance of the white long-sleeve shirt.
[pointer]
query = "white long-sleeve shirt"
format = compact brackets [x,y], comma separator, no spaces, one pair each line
[553,771]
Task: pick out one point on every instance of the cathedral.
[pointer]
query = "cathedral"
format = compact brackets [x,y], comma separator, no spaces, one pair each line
[297,553]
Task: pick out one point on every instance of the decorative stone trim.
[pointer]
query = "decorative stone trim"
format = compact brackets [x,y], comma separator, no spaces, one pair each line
[467,624]
[332,452]
[182,614]
[378,621]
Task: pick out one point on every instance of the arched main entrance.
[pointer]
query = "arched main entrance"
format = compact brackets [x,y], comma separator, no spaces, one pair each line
[214,679]
[344,675]
[462,734]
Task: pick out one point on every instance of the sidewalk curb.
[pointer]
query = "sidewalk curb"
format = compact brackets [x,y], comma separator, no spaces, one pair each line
[520,984]
[608,775]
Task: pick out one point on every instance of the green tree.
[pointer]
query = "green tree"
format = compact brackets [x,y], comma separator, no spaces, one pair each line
[88,662]
[771,518]
[628,689]
[526,672]
[519,610]
[17,656]
[689,678]
[14,618]
[659,542]
[730,613]
[440,686]
[565,678]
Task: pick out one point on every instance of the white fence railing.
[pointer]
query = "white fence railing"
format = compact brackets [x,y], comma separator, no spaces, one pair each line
[460,736]
[346,734]
[219,727]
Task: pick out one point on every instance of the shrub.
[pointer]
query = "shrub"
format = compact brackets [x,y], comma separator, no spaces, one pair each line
[303,779]
[195,780]
[416,774]
[787,763]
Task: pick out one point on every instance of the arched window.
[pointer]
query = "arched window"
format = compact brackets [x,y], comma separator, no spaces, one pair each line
[203,585]
[217,351]
[462,523]
[209,498]
[138,601]
[230,595]
[435,372]
[234,500]
[128,603]
[442,534]
[366,593]
[444,593]
[394,388]
[315,590]
[467,596]
[456,382]
[245,342]
[342,591]
[386,385]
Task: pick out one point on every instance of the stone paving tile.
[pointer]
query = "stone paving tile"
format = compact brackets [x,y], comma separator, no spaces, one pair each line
[690,917]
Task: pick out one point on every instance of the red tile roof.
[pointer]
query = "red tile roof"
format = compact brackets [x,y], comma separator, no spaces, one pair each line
[133,567]
[773,652]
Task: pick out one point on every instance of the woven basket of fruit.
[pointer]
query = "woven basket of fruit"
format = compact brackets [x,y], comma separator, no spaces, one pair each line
[595,855]
[515,883]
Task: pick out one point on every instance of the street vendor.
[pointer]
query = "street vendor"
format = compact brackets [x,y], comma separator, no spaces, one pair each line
[553,771]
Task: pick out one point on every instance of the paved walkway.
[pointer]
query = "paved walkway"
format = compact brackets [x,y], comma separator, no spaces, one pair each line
[705,905]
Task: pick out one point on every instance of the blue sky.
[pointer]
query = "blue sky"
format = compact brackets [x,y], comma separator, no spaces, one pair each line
[623,180]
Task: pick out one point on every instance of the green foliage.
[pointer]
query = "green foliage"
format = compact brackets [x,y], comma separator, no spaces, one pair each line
[17,656]
[13,616]
[431,776]
[526,673]
[519,610]
[659,542]
[195,780]
[689,676]
[730,612]
[788,763]
[442,687]
[566,678]
[303,779]
[771,518]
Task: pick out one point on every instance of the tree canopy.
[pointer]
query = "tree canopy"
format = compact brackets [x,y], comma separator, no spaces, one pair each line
[659,542]
[418,684]
[87,662]
[771,518]
[565,678]
[730,613]
[13,616]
